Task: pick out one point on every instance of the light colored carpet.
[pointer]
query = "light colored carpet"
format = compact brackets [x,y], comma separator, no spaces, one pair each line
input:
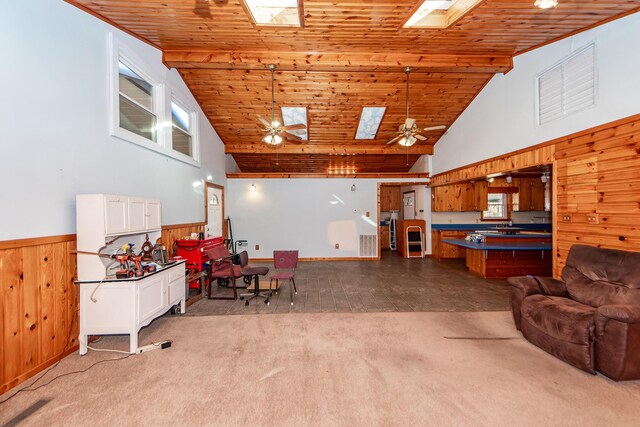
[329,369]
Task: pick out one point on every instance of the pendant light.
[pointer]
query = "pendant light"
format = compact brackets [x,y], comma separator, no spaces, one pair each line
[272,138]
[408,140]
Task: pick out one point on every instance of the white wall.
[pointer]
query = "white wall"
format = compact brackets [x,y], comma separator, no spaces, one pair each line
[55,125]
[502,117]
[299,214]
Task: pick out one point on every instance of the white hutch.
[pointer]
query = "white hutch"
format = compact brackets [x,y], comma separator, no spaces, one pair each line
[121,306]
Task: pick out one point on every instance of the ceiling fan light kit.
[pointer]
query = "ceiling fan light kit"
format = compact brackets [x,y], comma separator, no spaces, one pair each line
[546,4]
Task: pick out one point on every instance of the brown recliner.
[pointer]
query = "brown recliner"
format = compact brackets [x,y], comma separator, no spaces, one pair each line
[590,319]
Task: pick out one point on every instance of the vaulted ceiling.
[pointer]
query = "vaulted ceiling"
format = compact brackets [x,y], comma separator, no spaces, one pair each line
[349,54]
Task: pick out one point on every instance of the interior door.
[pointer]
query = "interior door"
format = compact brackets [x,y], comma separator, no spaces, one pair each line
[215,214]
[409,203]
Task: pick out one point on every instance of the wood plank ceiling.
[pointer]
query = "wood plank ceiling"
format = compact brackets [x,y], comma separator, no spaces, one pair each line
[348,55]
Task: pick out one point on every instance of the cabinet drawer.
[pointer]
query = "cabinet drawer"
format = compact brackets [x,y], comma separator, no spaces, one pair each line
[176,273]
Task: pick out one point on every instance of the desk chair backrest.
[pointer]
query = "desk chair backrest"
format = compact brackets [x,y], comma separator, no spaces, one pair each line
[218,252]
[244,258]
[285,260]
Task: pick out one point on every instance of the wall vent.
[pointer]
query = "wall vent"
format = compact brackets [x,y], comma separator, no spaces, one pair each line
[368,245]
[568,87]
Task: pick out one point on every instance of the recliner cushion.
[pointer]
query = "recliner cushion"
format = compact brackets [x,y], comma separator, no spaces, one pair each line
[561,318]
[561,327]
[597,293]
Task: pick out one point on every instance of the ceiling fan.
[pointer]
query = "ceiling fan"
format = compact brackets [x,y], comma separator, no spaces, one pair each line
[276,132]
[408,132]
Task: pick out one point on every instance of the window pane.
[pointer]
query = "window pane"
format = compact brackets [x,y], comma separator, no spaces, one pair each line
[180,117]
[181,141]
[137,120]
[135,87]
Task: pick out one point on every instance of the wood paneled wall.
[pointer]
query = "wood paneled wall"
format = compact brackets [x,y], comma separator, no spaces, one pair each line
[39,314]
[596,185]
[171,233]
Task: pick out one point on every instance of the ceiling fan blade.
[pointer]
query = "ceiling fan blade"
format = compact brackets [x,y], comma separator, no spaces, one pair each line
[263,121]
[394,139]
[409,123]
[291,136]
[420,137]
[294,127]
[441,127]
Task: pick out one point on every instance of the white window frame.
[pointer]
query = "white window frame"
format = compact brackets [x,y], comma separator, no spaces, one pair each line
[592,44]
[162,96]
[193,131]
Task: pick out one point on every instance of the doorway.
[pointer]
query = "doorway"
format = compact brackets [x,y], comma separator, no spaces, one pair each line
[215,225]
[409,205]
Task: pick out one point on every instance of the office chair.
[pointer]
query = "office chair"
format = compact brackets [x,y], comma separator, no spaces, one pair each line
[253,272]
[222,267]
[285,263]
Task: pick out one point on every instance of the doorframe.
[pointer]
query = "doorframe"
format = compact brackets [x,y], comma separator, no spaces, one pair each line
[206,206]
[392,184]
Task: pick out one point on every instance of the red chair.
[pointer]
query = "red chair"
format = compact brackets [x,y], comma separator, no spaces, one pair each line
[222,267]
[252,272]
[285,263]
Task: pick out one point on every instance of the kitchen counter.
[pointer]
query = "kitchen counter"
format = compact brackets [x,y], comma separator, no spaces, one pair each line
[523,235]
[508,246]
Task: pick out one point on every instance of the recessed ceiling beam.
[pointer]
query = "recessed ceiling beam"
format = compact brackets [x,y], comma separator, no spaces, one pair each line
[338,150]
[354,61]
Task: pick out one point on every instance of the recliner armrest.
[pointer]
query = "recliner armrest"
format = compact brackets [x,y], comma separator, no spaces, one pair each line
[527,285]
[620,312]
[523,286]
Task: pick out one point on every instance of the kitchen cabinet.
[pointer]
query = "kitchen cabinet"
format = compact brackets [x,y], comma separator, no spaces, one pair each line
[461,197]
[390,199]
[481,196]
[384,237]
[531,195]
[116,214]
[442,250]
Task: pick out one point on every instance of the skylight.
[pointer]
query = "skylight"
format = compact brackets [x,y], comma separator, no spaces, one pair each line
[274,12]
[370,119]
[296,116]
[440,13]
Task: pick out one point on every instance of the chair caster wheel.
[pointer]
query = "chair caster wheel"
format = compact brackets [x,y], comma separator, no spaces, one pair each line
[246,303]
[266,301]
[242,299]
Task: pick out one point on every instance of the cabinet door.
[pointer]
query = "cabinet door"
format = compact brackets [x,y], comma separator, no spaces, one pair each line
[151,298]
[137,215]
[537,195]
[116,215]
[468,198]
[481,194]
[524,195]
[176,291]
[154,215]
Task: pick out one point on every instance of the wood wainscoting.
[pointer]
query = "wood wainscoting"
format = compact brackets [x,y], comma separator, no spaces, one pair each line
[596,185]
[39,321]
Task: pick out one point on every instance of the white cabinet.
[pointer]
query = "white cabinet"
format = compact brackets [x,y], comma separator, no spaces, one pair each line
[153,212]
[137,214]
[126,306]
[116,215]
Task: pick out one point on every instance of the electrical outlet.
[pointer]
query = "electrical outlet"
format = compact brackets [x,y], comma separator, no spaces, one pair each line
[367,214]
[337,245]
[566,218]
[257,247]
[593,219]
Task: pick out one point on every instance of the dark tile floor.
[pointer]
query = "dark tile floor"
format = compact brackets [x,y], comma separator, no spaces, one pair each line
[391,284]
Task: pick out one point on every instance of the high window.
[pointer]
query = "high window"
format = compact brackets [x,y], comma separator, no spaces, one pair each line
[136,103]
[181,129]
[279,13]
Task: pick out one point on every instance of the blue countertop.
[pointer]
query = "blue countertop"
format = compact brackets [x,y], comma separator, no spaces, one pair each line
[511,246]
[524,235]
[473,227]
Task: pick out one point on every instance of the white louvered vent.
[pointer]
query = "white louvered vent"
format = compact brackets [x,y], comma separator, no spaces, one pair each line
[368,245]
[568,87]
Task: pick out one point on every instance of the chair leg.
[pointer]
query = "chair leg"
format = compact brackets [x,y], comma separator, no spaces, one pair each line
[291,292]
[294,285]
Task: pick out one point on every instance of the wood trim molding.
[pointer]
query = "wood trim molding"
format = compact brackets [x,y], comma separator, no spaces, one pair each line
[36,241]
[278,175]
[337,149]
[186,225]
[321,259]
